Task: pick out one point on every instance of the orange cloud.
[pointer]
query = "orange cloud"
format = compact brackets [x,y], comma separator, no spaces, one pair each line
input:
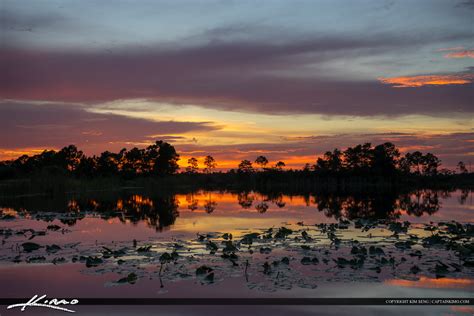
[461,54]
[450,49]
[431,80]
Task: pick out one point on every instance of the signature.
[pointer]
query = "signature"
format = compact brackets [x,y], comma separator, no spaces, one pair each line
[40,301]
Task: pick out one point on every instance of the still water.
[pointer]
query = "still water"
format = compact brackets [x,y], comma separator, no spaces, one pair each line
[113,244]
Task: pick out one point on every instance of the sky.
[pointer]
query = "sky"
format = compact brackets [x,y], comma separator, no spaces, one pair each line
[237,79]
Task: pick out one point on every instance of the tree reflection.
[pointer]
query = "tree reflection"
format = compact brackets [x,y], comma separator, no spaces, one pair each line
[464,196]
[193,203]
[245,199]
[261,207]
[210,205]
[161,210]
[376,206]
[420,202]
[357,206]
[158,212]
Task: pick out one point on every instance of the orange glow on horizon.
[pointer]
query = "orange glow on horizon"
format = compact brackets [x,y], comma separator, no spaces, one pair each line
[295,162]
[9,154]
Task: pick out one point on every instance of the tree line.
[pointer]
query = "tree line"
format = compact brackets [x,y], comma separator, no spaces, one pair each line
[161,159]
[158,159]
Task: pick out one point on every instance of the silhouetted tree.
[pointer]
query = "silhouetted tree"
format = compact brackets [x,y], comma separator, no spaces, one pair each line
[210,164]
[161,159]
[166,159]
[404,165]
[330,162]
[280,165]
[133,162]
[69,157]
[358,158]
[192,165]
[414,161]
[245,167]
[110,163]
[87,167]
[462,167]
[262,161]
[385,158]
[430,164]
[307,168]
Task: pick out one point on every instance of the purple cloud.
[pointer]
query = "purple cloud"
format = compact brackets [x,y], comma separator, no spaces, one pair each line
[249,76]
[56,125]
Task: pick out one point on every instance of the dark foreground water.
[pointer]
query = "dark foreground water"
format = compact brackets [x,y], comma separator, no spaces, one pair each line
[130,243]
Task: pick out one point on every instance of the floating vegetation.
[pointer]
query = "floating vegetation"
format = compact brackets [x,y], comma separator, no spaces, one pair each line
[266,259]
[30,246]
[144,248]
[93,261]
[283,232]
[131,278]
[53,227]
[52,249]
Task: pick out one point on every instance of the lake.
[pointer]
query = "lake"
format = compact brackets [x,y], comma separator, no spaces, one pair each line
[136,243]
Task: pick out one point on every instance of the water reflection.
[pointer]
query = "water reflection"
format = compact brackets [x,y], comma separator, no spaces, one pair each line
[160,210]
[421,202]
[426,282]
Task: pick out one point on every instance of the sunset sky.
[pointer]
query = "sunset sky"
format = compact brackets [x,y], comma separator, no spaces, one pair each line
[237,79]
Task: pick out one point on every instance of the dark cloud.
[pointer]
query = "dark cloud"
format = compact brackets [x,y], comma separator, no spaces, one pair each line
[56,125]
[12,22]
[469,4]
[232,75]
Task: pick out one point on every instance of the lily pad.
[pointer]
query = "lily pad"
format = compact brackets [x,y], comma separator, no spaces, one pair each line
[30,246]
[131,278]
[146,248]
[53,227]
[36,259]
[93,261]
[283,232]
[308,260]
[53,248]
[203,270]
[249,238]
[227,236]
[212,246]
